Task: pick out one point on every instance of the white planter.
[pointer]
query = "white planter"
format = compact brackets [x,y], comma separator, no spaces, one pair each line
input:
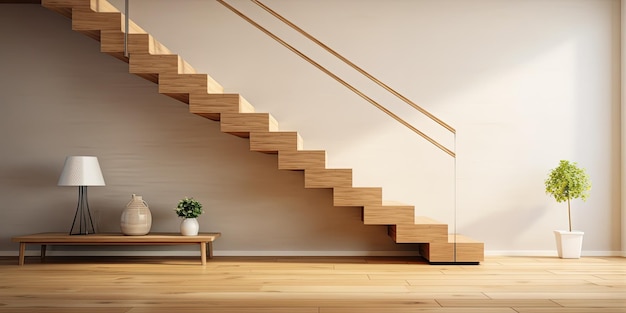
[569,244]
[189,227]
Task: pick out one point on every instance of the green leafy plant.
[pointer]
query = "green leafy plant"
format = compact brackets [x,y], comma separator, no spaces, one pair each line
[567,181]
[189,208]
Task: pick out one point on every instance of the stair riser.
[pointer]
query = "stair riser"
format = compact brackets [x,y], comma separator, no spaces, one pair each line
[437,252]
[419,233]
[112,43]
[155,64]
[212,106]
[327,178]
[144,43]
[445,252]
[188,83]
[301,160]
[181,85]
[357,196]
[94,5]
[388,215]
[245,123]
[90,23]
[65,7]
[66,4]
[273,142]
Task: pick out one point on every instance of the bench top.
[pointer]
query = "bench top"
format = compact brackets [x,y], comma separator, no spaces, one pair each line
[60,238]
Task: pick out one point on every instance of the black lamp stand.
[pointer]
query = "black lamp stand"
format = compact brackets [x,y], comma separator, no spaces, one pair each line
[82,217]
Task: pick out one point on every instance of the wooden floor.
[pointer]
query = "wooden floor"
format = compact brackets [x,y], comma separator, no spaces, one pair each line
[320,285]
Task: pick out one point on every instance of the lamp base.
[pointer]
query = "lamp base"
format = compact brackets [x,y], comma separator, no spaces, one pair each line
[83,223]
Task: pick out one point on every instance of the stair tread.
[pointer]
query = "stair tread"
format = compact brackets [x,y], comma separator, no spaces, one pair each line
[394,203]
[106,7]
[427,220]
[153,46]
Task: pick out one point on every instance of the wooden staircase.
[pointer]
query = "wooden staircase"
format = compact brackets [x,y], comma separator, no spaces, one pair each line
[151,60]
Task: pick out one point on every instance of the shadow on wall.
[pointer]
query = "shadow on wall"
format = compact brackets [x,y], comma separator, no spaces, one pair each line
[525,226]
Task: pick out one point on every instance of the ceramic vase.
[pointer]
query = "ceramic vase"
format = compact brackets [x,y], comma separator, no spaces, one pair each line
[189,227]
[136,218]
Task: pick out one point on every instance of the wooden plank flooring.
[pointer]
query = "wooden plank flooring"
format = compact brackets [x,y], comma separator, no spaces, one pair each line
[311,285]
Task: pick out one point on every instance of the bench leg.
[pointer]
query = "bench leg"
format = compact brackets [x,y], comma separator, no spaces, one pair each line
[43,252]
[210,246]
[203,252]
[22,250]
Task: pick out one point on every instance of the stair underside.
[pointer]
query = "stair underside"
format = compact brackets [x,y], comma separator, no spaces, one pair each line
[176,78]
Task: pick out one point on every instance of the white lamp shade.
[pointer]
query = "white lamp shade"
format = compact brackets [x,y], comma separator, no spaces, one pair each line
[81,171]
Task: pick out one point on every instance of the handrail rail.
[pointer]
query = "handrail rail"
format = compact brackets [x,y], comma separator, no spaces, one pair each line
[338,79]
[354,66]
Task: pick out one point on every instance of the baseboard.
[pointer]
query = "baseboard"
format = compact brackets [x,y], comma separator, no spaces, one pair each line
[550,253]
[526,253]
[316,253]
[215,253]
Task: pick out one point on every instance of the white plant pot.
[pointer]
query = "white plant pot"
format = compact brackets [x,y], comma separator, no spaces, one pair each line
[569,244]
[189,227]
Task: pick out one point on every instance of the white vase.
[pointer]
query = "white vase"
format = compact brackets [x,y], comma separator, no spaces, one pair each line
[569,244]
[189,227]
[136,218]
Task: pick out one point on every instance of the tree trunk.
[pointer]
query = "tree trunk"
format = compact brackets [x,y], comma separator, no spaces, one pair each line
[569,214]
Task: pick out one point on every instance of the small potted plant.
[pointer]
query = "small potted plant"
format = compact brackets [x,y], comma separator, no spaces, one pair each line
[566,182]
[189,209]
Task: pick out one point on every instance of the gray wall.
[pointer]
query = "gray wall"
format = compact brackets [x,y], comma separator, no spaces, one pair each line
[61,96]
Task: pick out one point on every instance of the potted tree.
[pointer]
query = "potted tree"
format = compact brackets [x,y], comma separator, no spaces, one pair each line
[189,209]
[566,182]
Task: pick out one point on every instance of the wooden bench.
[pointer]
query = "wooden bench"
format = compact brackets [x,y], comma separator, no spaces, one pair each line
[45,239]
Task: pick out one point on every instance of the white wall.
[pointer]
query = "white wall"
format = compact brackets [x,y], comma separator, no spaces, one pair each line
[525,83]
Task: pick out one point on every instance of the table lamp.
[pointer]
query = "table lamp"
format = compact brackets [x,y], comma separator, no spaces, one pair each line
[81,171]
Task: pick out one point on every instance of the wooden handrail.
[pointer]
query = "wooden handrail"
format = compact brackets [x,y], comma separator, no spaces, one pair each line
[337,78]
[354,66]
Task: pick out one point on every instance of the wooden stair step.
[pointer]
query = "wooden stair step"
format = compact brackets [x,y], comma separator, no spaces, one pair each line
[273,142]
[150,66]
[91,23]
[101,17]
[179,86]
[159,63]
[468,249]
[357,196]
[301,160]
[145,44]
[327,178]
[437,252]
[464,250]
[64,7]
[242,124]
[99,20]
[423,230]
[112,43]
[389,213]
[211,105]
[98,6]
